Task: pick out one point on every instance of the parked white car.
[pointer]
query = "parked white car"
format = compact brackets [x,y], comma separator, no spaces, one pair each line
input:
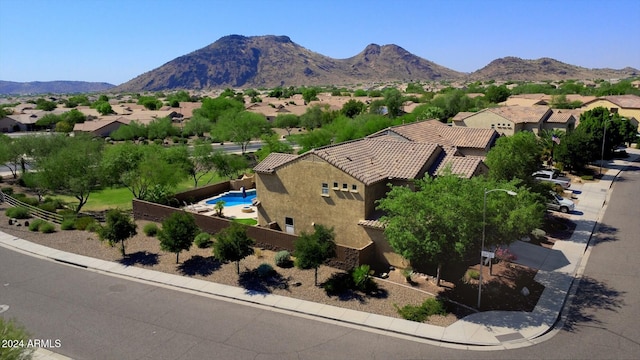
[552,177]
[558,203]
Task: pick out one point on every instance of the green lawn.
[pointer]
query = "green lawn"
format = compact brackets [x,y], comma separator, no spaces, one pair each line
[250,222]
[110,198]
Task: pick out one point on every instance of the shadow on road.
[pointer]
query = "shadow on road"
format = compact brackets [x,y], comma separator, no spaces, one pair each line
[591,295]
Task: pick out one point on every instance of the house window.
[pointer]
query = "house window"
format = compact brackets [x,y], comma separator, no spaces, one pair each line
[354,188]
[335,186]
[325,189]
[344,187]
[493,126]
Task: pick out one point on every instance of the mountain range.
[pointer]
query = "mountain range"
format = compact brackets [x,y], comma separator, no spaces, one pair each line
[268,61]
[52,87]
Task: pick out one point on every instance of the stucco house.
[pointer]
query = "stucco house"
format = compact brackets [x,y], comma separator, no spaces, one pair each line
[627,106]
[102,127]
[508,120]
[339,185]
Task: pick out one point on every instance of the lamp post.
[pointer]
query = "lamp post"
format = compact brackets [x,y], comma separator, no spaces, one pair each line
[484,225]
[604,138]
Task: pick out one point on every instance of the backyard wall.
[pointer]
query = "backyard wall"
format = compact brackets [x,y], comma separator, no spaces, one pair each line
[346,257]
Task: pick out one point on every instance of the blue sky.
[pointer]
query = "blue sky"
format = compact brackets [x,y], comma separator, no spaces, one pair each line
[117,40]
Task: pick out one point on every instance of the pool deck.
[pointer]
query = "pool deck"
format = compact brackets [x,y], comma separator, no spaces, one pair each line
[231,212]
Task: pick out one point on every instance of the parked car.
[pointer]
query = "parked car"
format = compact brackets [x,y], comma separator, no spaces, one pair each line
[558,203]
[552,177]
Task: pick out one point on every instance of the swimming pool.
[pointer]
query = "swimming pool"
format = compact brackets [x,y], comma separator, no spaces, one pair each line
[232,198]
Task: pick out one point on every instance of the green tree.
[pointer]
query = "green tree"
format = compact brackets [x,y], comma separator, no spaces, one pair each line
[228,165]
[576,150]
[242,127]
[197,125]
[150,102]
[233,244]
[515,157]
[314,139]
[497,94]
[161,129]
[353,107]
[312,250]
[309,94]
[73,169]
[442,219]
[104,108]
[140,168]
[287,122]
[201,162]
[178,232]
[272,143]
[212,109]
[315,116]
[14,153]
[48,121]
[393,101]
[118,229]
[42,104]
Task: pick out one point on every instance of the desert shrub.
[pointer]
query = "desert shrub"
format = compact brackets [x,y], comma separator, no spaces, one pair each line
[422,312]
[57,203]
[47,228]
[258,253]
[94,227]
[7,190]
[586,177]
[538,234]
[68,214]
[505,254]
[283,259]
[35,224]
[203,240]
[27,200]
[68,224]
[47,206]
[83,222]
[473,274]
[14,332]
[265,270]
[151,229]
[362,277]
[18,212]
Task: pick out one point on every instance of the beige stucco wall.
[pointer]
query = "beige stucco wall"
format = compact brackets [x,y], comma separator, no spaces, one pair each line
[609,105]
[295,192]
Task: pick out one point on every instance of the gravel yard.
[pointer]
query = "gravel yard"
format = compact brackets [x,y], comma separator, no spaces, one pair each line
[144,251]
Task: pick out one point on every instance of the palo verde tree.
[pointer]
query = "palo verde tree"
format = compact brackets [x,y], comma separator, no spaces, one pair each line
[242,127]
[233,244]
[178,232]
[119,227]
[442,220]
[312,250]
[72,169]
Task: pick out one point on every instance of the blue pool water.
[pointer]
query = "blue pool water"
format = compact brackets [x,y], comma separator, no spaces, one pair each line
[232,198]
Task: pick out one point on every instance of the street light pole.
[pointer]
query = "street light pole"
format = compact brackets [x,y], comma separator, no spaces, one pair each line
[484,225]
[604,137]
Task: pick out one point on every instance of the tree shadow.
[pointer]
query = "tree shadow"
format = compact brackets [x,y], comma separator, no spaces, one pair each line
[199,265]
[141,257]
[341,286]
[254,283]
[604,233]
[591,295]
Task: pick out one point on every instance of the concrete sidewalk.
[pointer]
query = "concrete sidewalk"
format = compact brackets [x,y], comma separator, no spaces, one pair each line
[557,269]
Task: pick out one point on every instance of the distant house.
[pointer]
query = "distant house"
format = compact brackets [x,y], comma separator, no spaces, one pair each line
[467,141]
[339,185]
[627,106]
[102,127]
[508,120]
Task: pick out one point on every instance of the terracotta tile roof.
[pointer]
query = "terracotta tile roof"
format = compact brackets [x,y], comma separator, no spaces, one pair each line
[272,161]
[521,114]
[463,166]
[561,116]
[368,160]
[462,115]
[93,125]
[433,131]
[625,101]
